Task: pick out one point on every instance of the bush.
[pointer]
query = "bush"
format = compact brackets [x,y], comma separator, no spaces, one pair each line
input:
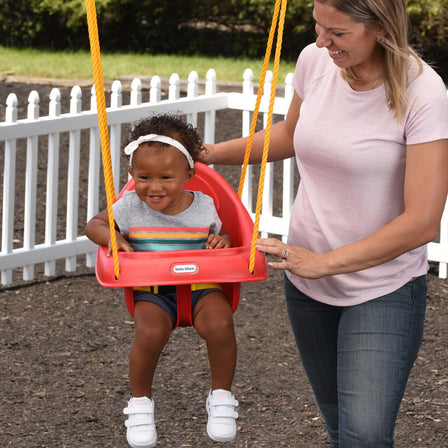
[429,19]
[209,27]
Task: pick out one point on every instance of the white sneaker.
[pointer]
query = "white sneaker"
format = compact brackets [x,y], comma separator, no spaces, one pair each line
[221,425]
[141,432]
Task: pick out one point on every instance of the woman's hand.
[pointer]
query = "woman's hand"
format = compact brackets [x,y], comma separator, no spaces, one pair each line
[297,260]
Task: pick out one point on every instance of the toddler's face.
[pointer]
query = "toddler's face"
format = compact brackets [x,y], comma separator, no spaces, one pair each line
[160,173]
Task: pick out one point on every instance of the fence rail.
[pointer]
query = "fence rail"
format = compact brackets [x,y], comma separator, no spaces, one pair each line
[61,152]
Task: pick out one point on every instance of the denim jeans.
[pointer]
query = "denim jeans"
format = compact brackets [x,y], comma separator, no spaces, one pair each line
[358,359]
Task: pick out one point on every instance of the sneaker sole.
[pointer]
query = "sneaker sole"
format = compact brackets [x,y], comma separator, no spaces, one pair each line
[144,445]
[220,438]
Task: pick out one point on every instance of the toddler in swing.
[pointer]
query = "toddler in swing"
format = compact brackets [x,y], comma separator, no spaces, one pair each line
[162,153]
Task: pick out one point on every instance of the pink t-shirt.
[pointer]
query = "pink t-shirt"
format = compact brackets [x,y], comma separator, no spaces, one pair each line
[351,155]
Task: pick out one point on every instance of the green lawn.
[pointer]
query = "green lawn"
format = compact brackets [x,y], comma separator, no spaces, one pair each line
[77,65]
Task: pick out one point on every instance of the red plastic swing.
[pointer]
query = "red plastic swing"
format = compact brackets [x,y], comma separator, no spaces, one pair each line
[228,267]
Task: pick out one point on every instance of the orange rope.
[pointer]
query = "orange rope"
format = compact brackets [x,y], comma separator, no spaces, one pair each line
[102,122]
[253,125]
[268,129]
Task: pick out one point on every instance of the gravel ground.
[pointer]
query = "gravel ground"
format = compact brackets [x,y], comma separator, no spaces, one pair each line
[64,364]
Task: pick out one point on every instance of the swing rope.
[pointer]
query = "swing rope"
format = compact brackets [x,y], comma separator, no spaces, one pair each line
[253,125]
[267,136]
[280,5]
[102,122]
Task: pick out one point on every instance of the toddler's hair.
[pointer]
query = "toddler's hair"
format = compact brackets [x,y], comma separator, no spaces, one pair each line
[170,125]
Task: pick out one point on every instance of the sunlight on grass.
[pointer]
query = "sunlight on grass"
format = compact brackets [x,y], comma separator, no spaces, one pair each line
[77,65]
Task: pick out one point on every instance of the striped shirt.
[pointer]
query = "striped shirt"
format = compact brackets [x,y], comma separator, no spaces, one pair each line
[151,230]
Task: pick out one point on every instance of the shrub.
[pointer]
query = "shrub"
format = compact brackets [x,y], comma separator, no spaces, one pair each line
[209,27]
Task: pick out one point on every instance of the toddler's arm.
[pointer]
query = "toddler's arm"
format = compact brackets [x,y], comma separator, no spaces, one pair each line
[97,230]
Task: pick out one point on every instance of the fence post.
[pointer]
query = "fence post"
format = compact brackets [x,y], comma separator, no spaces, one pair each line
[443,240]
[29,232]
[267,207]
[9,176]
[73,177]
[155,92]
[51,217]
[210,116]
[116,102]
[174,88]
[93,188]
[192,92]
[136,92]
[288,164]
[248,90]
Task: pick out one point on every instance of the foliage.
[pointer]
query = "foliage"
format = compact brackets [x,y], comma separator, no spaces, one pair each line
[429,22]
[208,27]
[430,18]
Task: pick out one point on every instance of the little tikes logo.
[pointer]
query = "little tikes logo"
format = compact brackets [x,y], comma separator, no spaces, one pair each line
[185,269]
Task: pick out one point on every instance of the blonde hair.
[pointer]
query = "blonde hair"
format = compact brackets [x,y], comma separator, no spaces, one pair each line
[396,54]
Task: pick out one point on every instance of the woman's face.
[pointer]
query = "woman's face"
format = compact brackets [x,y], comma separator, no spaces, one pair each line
[349,43]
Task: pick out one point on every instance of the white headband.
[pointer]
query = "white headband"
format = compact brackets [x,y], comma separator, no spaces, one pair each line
[132,147]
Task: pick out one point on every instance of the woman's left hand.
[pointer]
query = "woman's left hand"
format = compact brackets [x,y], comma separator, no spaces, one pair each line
[296,260]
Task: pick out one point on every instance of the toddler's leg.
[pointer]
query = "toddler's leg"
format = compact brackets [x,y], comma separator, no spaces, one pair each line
[213,320]
[152,330]
[153,327]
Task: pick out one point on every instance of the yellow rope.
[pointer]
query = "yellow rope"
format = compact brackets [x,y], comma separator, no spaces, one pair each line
[253,125]
[268,129]
[102,122]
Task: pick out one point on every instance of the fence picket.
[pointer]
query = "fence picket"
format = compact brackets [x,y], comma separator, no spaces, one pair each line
[73,178]
[29,231]
[9,176]
[52,181]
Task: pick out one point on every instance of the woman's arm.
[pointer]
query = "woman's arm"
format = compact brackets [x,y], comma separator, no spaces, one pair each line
[425,193]
[281,142]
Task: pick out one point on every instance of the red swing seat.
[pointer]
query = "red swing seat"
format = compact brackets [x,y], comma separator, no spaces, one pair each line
[228,267]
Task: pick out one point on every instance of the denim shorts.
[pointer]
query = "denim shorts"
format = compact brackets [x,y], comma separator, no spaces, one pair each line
[168,301]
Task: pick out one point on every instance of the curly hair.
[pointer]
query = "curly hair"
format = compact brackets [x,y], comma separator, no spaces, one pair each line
[170,125]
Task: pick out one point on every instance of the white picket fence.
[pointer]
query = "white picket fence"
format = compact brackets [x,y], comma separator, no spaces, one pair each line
[73,137]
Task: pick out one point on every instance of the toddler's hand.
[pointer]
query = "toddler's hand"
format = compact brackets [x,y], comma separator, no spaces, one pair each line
[122,245]
[218,241]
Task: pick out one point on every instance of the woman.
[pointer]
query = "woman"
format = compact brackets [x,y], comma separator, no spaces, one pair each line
[368,125]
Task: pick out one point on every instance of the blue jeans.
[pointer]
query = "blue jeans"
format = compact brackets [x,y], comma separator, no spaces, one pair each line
[358,359]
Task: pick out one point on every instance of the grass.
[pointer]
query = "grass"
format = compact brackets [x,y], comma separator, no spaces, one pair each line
[77,65]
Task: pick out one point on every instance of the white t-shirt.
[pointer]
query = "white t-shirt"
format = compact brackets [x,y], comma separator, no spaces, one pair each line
[351,155]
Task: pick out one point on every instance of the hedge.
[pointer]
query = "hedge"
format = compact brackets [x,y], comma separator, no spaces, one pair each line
[208,27]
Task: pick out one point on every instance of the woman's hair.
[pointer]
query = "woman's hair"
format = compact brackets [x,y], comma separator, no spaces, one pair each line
[390,16]
[169,125]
